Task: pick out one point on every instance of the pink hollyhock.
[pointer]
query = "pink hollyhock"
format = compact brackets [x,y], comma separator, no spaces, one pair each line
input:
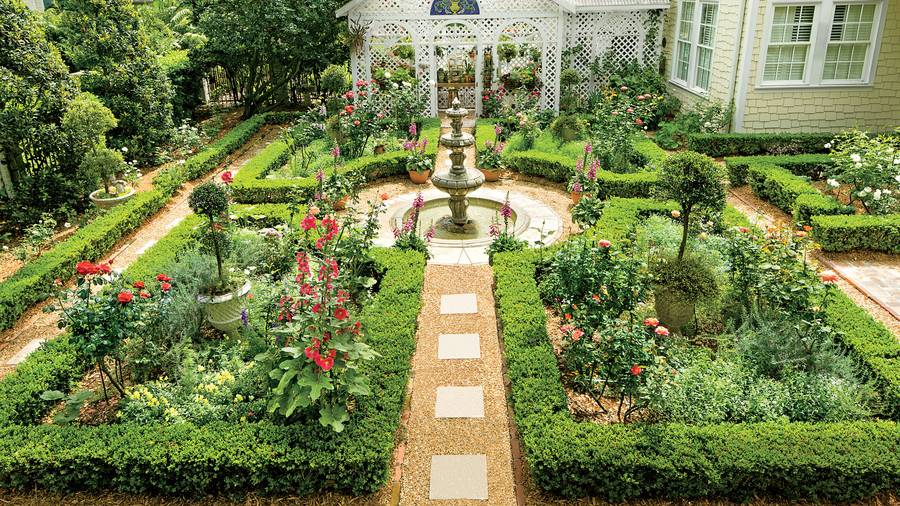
[308,223]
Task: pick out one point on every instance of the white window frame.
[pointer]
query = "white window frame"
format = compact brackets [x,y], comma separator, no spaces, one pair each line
[818,45]
[694,41]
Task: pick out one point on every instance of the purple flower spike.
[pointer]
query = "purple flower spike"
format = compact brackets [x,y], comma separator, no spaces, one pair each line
[419,202]
[413,130]
[320,176]
[245,317]
[588,148]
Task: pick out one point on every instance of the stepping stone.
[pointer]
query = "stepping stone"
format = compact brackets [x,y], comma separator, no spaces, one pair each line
[458,477]
[459,346]
[459,402]
[147,245]
[459,303]
[27,350]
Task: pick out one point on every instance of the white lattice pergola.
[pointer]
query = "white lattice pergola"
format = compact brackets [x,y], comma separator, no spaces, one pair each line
[587,31]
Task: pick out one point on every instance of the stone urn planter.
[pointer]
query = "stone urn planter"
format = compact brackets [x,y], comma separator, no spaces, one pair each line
[223,312]
[419,177]
[109,202]
[672,310]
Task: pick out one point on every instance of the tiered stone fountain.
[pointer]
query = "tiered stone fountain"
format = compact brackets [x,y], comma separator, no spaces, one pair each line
[459,181]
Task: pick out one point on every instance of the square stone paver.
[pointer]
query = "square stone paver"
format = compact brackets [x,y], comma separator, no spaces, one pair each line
[459,303]
[459,346]
[458,477]
[459,402]
[29,348]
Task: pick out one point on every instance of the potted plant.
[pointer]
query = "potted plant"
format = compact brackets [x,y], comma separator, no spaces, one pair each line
[337,190]
[490,159]
[418,164]
[380,143]
[584,182]
[110,168]
[679,284]
[222,298]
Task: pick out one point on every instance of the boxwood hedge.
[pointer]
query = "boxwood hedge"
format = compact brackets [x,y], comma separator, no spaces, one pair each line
[251,186]
[743,144]
[812,166]
[840,461]
[860,232]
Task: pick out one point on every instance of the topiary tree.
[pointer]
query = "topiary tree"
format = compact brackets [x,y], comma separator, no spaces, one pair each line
[695,182]
[210,200]
[102,163]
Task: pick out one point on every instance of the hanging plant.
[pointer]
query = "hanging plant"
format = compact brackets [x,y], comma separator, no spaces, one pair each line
[357,34]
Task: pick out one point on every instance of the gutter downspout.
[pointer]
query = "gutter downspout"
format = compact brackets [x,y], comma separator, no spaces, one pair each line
[735,60]
[742,80]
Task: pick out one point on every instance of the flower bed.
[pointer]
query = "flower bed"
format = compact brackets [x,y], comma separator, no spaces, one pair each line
[219,457]
[836,461]
[251,185]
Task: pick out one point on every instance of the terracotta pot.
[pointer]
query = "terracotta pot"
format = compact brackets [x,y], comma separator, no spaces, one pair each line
[341,203]
[491,175]
[576,197]
[419,177]
[223,312]
[379,149]
[672,310]
[106,203]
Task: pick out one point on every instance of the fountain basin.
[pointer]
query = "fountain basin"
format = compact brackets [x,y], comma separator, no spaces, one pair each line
[482,212]
[535,222]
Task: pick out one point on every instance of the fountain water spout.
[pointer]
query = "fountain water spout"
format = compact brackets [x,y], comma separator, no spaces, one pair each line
[458,181]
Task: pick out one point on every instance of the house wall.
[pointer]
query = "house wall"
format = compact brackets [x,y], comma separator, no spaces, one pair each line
[875,107]
[724,56]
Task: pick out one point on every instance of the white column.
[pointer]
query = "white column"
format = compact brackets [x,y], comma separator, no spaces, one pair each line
[6,177]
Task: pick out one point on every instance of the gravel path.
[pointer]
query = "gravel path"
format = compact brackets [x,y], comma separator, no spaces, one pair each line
[428,436]
[36,325]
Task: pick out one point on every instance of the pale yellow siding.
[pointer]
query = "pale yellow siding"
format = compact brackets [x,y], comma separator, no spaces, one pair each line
[875,107]
[721,80]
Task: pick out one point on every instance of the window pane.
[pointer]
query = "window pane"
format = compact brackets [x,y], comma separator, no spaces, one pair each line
[791,32]
[687,21]
[704,64]
[849,39]
[684,60]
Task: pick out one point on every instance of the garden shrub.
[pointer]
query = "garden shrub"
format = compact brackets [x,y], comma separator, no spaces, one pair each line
[792,194]
[748,144]
[812,166]
[833,461]
[224,458]
[861,232]
[808,205]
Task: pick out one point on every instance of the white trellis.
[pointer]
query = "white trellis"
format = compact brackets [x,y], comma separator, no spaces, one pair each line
[405,33]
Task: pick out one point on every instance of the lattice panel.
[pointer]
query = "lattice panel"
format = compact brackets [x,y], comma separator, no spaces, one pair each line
[375,9]
[616,36]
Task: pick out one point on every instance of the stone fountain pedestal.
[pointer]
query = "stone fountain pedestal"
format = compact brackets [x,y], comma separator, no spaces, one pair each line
[459,181]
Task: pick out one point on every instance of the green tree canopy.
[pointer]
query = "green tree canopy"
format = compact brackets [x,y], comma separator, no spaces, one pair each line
[265,44]
[104,39]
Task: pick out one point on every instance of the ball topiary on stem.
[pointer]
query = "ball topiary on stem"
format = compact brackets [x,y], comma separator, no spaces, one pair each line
[210,200]
[695,182]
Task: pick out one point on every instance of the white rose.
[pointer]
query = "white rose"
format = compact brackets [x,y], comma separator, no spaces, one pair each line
[387,75]
[867,189]
[897,177]
[827,145]
[896,161]
[395,86]
[124,149]
[67,225]
[877,195]
[833,183]
[855,157]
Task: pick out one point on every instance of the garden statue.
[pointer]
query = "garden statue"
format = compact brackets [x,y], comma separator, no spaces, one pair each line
[459,181]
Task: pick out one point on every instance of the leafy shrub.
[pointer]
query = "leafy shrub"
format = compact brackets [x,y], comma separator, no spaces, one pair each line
[568,127]
[691,278]
[587,211]
[812,166]
[870,167]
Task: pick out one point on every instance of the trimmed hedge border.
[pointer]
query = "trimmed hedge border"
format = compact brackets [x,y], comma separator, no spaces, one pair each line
[792,194]
[812,166]
[843,462]
[746,144]
[31,284]
[860,232]
[559,168]
[219,458]
[251,187]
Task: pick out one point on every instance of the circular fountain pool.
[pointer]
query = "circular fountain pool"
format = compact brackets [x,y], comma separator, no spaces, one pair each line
[532,221]
[482,212]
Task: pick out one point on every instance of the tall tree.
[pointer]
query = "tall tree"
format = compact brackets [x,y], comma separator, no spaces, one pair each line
[263,45]
[104,39]
[35,92]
